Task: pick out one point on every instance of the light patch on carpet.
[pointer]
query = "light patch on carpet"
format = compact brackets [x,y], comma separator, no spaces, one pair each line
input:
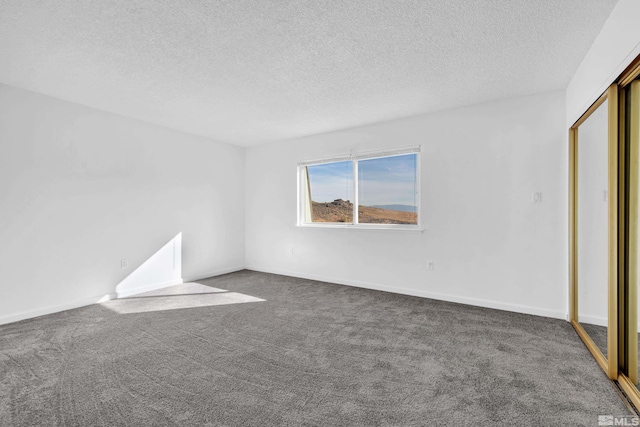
[175,302]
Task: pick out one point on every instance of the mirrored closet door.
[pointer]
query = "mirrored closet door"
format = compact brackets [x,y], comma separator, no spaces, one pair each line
[594,219]
[629,294]
[605,230]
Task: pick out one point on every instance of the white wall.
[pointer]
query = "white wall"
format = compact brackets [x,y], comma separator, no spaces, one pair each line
[81,189]
[613,50]
[162,269]
[480,165]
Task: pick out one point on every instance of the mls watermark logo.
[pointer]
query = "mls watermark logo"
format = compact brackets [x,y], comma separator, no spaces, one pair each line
[605,420]
[623,420]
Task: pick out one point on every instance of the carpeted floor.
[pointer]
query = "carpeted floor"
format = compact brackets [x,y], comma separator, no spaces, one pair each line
[277,350]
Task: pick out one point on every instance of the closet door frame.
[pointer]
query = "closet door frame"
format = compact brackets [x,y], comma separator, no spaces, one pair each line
[628,361]
[608,364]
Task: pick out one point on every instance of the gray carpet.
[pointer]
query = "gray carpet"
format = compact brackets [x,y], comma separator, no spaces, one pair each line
[311,353]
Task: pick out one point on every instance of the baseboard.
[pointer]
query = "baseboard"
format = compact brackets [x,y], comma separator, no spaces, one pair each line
[192,278]
[424,294]
[147,288]
[29,314]
[196,277]
[358,284]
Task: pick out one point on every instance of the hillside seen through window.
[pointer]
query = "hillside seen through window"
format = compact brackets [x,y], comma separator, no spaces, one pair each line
[387,189]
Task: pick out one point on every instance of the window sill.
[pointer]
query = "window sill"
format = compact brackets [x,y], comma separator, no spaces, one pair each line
[385,227]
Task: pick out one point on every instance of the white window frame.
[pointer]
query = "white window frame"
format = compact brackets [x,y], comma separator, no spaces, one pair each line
[304,202]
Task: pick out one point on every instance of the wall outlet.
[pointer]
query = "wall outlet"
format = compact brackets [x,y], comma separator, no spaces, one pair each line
[431,265]
[537,197]
[291,250]
[123,263]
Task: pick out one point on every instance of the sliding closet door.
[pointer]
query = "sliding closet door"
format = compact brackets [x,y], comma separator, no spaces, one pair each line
[630,126]
[594,231]
[605,152]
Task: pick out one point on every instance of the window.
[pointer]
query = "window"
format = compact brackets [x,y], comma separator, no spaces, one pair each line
[373,190]
[331,191]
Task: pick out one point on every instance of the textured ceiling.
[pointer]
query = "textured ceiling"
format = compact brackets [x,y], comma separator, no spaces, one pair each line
[250,71]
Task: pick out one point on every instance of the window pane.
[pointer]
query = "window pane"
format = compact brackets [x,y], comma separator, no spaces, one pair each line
[331,188]
[387,190]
